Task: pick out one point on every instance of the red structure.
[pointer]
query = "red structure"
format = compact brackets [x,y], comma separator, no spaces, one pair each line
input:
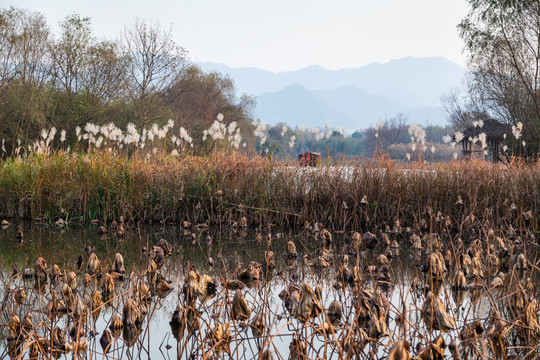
[309,158]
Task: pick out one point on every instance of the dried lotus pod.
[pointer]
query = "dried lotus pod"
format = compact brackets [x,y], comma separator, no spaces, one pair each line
[297,349]
[105,341]
[438,319]
[131,314]
[400,351]
[95,304]
[116,325]
[20,296]
[334,313]
[220,338]
[326,236]
[308,305]
[240,310]
[118,264]
[257,325]
[94,265]
[290,249]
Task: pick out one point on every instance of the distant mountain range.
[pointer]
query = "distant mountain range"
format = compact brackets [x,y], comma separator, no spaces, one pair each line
[349,98]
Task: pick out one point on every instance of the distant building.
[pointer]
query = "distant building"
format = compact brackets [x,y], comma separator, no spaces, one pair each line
[309,158]
[495,135]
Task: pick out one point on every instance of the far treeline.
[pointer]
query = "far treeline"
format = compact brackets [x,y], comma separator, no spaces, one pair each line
[74,78]
[71,79]
[143,77]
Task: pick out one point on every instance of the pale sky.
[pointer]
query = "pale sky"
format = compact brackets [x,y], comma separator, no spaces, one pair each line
[281,35]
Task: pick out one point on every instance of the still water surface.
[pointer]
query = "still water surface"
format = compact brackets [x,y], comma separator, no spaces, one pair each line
[230,249]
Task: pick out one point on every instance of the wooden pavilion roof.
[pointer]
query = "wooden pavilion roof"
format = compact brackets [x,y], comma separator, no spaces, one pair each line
[493,129]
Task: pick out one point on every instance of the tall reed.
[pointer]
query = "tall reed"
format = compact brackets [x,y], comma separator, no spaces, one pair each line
[223,187]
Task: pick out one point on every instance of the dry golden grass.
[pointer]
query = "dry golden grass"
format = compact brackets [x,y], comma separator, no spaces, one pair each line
[223,187]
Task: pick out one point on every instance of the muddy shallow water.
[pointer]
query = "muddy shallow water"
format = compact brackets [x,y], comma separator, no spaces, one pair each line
[230,249]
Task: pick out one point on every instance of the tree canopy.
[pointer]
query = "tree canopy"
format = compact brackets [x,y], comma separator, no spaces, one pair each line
[68,79]
[502,39]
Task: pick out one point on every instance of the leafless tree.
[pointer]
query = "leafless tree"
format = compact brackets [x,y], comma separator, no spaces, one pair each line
[503,42]
[104,77]
[156,63]
[24,71]
[458,107]
[392,130]
[69,54]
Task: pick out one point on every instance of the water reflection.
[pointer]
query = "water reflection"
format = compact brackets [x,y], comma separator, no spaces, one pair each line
[164,291]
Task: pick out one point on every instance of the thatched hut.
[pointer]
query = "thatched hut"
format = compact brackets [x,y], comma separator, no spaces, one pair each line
[495,132]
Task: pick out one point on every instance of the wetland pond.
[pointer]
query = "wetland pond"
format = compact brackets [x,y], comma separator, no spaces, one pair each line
[230,292]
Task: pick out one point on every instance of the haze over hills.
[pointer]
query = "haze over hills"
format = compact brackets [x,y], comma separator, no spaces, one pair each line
[350,98]
[297,106]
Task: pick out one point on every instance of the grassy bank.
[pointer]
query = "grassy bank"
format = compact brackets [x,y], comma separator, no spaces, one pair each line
[226,186]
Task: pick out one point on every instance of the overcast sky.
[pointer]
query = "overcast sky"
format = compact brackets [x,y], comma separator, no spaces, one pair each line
[281,35]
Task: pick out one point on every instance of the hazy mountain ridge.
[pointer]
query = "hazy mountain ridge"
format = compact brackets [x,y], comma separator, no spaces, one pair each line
[351,98]
[344,107]
[297,106]
[359,104]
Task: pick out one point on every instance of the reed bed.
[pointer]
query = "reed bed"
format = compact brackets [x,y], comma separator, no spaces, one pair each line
[361,194]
